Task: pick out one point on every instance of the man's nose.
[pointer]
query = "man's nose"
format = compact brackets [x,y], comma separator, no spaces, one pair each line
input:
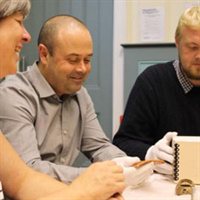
[82,67]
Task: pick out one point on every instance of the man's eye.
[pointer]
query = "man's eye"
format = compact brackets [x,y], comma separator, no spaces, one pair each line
[87,61]
[73,61]
[194,48]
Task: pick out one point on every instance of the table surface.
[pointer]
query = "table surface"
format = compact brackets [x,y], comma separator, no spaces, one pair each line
[158,187]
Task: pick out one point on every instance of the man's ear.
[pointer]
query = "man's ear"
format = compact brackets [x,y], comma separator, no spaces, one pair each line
[177,41]
[43,53]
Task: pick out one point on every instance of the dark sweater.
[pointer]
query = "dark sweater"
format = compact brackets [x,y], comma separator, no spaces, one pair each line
[157,104]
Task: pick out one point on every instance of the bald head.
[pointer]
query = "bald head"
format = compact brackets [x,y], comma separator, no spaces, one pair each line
[54,26]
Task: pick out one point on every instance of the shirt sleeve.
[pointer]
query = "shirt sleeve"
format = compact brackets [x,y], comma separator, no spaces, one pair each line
[95,143]
[17,123]
[137,130]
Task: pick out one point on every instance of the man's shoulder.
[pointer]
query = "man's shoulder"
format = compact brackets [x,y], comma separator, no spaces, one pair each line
[159,73]
[20,79]
[160,67]
[159,70]
[15,85]
[15,80]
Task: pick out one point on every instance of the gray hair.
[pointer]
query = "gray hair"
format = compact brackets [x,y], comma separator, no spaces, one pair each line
[189,18]
[9,7]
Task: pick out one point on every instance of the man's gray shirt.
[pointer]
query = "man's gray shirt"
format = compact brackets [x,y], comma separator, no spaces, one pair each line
[48,132]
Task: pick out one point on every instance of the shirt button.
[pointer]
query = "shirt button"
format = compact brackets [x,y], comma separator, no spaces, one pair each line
[65,132]
[62,160]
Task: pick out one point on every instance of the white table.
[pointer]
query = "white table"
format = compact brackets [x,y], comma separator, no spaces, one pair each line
[158,187]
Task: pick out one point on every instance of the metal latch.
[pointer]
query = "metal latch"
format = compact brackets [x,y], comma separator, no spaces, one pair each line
[185,186]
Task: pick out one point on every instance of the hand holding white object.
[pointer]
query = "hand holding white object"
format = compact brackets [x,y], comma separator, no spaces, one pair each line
[163,151]
[134,176]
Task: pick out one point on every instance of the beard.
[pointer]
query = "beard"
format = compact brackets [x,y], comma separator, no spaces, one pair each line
[192,72]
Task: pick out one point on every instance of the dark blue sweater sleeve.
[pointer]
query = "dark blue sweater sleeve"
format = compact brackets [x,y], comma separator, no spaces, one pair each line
[136,132]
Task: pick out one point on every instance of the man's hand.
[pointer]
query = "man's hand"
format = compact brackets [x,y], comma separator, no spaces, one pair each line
[134,177]
[102,181]
[163,151]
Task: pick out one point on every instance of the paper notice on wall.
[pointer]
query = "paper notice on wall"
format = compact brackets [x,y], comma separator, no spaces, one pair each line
[152,24]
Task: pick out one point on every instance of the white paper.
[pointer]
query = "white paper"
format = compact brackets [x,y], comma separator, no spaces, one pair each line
[152,24]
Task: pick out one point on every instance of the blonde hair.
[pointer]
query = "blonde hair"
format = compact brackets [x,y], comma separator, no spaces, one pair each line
[189,18]
[9,7]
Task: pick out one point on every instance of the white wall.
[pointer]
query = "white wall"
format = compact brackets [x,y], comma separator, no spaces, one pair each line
[172,10]
[119,35]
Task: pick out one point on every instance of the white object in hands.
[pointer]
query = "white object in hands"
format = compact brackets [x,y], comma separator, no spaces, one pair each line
[163,151]
[1,192]
[126,161]
[134,176]
[137,176]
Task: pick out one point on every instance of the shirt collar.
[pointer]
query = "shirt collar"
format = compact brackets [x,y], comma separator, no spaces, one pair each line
[39,82]
[185,83]
[42,86]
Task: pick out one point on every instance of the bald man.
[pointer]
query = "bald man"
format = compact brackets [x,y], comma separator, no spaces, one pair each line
[48,115]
